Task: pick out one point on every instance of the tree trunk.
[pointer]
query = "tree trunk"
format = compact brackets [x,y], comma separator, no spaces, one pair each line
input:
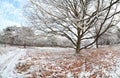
[78,48]
[97,43]
[78,42]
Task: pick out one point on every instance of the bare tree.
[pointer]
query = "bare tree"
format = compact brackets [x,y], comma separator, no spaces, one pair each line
[77,20]
[106,19]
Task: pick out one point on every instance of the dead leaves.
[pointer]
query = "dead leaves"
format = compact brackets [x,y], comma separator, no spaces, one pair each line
[23,67]
[58,65]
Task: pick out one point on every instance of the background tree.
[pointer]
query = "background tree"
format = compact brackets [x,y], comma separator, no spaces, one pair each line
[77,20]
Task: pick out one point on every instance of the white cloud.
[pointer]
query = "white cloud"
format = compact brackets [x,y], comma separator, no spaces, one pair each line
[10,14]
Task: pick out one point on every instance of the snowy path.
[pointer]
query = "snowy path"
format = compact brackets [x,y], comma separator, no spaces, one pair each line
[8,61]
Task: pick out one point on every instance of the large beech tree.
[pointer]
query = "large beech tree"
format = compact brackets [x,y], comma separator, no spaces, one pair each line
[77,20]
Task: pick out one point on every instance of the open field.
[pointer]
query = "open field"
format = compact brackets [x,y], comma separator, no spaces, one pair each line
[46,62]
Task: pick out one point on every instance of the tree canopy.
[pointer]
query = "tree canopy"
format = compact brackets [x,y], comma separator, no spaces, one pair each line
[77,20]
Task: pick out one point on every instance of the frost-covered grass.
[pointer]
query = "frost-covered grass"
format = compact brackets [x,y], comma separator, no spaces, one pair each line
[35,62]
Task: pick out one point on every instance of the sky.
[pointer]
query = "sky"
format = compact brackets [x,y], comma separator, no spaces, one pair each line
[11,13]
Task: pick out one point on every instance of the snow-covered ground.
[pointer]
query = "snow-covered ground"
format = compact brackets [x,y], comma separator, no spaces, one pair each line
[9,57]
[46,62]
[8,60]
